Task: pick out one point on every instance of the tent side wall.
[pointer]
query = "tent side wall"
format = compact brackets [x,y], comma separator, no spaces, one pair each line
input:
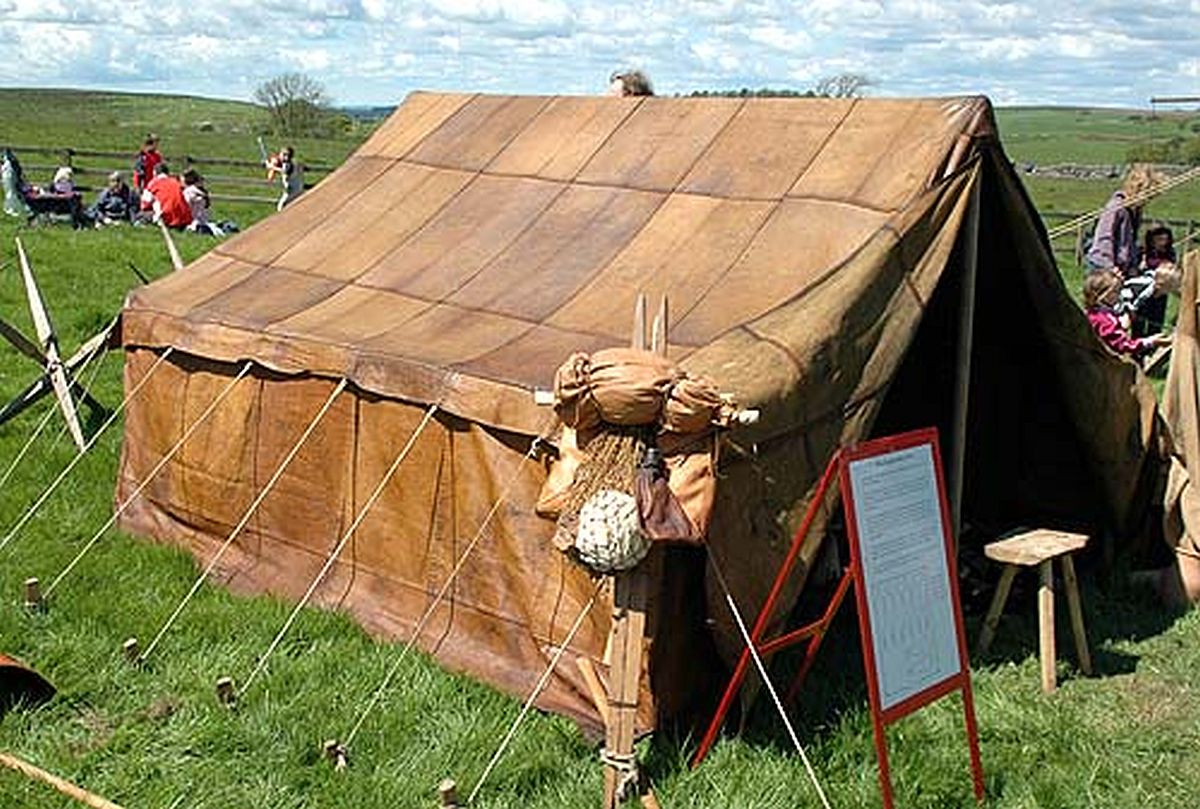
[516,596]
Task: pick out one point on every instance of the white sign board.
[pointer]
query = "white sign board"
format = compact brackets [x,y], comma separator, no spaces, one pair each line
[902,546]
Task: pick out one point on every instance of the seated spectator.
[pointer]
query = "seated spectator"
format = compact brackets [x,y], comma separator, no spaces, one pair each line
[163,198]
[31,201]
[64,181]
[114,203]
[1101,296]
[198,203]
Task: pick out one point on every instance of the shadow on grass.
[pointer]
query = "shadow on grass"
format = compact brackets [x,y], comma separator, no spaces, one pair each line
[835,690]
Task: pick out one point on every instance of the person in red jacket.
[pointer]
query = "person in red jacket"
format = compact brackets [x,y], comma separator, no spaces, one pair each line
[145,163]
[164,196]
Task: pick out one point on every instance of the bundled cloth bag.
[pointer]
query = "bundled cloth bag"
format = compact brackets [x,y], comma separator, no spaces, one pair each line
[633,424]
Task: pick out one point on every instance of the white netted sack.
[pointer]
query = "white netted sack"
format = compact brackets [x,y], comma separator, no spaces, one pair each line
[609,536]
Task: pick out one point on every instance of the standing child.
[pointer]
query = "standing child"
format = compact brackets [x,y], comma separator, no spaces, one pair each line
[1158,254]
[290,174]
[145,163]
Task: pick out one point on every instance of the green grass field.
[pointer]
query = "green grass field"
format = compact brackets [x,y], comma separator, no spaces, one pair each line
[156,737]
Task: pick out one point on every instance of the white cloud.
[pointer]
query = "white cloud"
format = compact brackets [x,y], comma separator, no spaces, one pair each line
[776,36]
[375,51]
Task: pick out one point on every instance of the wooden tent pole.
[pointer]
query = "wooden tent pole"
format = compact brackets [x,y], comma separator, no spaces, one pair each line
[49,341]
[966,333]
[172,250]
[59,784]
[631,591]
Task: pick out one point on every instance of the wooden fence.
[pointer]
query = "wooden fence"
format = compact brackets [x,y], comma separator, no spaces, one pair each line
[226,184]
[1185,230]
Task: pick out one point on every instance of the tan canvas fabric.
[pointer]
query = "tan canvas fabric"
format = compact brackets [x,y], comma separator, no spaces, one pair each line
[811,251]
[1181,410]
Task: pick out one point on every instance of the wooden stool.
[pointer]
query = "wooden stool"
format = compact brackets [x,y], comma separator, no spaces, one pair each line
[1039,547]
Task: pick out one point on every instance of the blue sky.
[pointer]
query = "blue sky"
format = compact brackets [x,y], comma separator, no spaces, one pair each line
[375,51]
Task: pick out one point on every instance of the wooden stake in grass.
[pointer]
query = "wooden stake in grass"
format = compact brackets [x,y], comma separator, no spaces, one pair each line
[33,595]
[131,650]
[336,754]
[448,792]
[225,692]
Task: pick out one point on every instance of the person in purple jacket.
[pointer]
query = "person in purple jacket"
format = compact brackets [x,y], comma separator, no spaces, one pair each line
[1101,293]
[1115,240]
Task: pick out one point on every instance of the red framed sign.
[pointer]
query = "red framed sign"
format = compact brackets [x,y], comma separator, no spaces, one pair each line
[906,585]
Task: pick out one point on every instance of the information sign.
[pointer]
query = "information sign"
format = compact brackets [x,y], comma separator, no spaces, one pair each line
[906,584]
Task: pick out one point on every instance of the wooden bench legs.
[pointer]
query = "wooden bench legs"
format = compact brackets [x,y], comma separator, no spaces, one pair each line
[1046,643]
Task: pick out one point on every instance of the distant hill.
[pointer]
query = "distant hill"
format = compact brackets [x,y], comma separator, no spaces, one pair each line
[1089,135]
[110,121]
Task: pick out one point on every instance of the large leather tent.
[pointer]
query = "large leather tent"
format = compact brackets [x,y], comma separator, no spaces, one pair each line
[813,252]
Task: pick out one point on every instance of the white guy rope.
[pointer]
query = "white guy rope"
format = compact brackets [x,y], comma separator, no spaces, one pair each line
[1153,191]
[50,411]
[441,594]
[762,672]
[146,481]
[316,582]
[237,529]
[90,443]
[537,689]
[37,431]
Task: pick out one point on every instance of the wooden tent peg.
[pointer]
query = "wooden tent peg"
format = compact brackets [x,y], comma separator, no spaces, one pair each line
[34,601]
[225,693]
[336,754]
[131,650]
[448,793]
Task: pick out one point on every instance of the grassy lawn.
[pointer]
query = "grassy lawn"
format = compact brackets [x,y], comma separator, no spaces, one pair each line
[156,737]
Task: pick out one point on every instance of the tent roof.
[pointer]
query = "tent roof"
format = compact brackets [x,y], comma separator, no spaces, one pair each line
[475,241]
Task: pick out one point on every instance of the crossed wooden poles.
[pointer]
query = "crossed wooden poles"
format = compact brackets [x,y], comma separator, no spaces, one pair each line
[58,375]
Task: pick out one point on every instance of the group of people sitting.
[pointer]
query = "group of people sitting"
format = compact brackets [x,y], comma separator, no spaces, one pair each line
[182,202]
[157,196]
[1127,283]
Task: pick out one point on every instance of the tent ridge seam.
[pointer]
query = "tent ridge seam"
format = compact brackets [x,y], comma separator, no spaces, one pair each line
[546,101]
[612,132]
[708,147]
[829,136]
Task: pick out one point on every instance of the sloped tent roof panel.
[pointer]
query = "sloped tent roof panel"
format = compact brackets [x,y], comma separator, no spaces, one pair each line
[475,241]
[549,215]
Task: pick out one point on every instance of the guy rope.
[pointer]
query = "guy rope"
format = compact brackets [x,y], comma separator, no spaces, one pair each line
[1134,199]
[316,582]
[441,594]
[146,481]
[537,689]
[237,529]
[762,672]
[12,533]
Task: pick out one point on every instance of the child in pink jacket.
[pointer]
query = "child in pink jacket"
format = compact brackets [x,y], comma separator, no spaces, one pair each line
[1101,293]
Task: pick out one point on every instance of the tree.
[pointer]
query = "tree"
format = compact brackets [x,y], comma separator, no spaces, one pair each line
[297,104]
[843,85]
